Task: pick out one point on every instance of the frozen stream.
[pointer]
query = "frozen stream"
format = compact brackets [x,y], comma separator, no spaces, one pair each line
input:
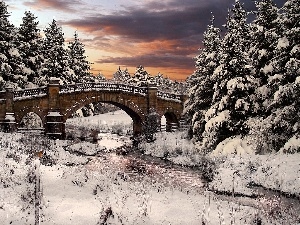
[139,189]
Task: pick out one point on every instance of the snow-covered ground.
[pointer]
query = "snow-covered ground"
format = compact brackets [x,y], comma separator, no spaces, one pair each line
[84,183]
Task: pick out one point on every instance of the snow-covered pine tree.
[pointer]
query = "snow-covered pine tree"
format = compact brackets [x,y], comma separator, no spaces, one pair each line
[30,45]
[286,61]
[100,77]
[159,80]
[56,57]
[201,83]
[121,76]
[235,82]
[284,116]
[78,62]
[6,40]
[141,77]
[264,36]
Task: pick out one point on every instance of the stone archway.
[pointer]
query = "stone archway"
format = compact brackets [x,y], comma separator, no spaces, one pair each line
[55,103]
[31,120]
[172,122]
[136,118]
[24,111]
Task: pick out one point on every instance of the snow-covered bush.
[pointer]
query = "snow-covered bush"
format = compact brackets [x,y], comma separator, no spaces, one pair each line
[270,134]
[292,145]
[168,144]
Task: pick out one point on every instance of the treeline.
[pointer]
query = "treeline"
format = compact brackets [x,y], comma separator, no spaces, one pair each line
[247,79]
[27,59]
[142,78]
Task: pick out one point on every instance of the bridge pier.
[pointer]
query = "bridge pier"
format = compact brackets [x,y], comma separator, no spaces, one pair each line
[152,120]
[55,126]
[8,123]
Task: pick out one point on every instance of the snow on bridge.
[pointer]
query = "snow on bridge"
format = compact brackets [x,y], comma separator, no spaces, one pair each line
[55,103]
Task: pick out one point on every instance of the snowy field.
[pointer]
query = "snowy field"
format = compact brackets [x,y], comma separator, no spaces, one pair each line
[88,183]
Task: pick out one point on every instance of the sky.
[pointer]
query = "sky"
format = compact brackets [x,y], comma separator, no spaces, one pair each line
[163,36]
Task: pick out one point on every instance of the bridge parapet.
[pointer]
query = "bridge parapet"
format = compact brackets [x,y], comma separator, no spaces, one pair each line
[169,96]
[103,86]
[33,92]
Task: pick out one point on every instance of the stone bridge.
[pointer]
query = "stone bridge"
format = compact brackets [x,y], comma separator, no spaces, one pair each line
[55,103]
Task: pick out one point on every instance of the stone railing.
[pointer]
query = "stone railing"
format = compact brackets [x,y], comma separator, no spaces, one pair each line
[169,96]
[30,92]
[103,86]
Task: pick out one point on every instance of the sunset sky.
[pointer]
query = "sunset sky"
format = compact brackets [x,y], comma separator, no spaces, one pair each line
[163,36]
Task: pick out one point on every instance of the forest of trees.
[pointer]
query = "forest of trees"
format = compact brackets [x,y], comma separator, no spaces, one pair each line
[28,60]
[142,78]
[247,79]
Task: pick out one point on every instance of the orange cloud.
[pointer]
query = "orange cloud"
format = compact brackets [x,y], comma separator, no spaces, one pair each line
[62,5]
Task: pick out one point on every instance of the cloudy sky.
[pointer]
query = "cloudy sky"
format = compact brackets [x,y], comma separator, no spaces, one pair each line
[163,36]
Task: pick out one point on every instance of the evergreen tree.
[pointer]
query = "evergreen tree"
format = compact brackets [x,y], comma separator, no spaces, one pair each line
[6,38]
[78,62]
[56,56]
[264,36]
[284,108]
[264,33]
[201,82]
[234,82]
[286,60]
[30,47]
[100,77]
[121,76]
[159,80]
[141,77]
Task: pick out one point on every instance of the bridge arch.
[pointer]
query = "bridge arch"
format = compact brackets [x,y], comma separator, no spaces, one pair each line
[126,105]
[31,120]
[37,110]
[172,120]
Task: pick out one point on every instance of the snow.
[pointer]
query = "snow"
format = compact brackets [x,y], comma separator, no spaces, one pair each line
[103,121]
[217,121]
[10,117]
[14,52]
[263,91]
[268,69]
[283,43]
[297,81]
[235,83]
[234,145]
[54,114]
[262,53]
[292,145]
[241,103]
[223,103]
[295,49]
[80,186]
[277,172]
[3,57]
[283,92]
[27,71]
